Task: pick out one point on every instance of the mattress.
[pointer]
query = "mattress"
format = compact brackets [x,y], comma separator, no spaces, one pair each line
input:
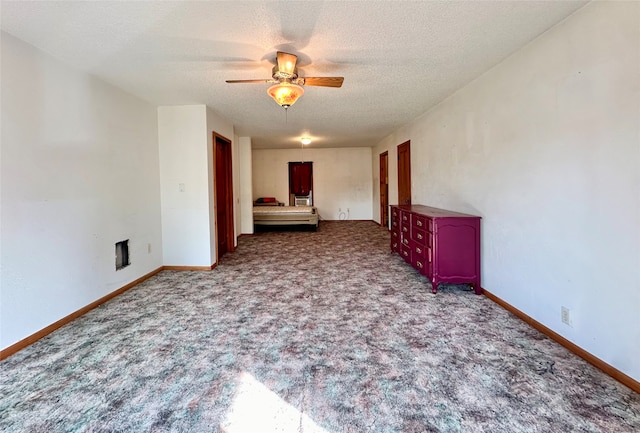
[285,215]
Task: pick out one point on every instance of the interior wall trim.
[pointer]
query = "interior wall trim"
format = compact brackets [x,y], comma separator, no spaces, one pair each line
[189,268]
[5,353]
[624,379]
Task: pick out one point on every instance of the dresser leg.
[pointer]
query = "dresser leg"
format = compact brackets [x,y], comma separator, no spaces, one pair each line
[434,287]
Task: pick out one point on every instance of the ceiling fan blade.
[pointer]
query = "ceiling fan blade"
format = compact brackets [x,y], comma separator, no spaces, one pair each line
[248,81]
[286,62]
[324,81]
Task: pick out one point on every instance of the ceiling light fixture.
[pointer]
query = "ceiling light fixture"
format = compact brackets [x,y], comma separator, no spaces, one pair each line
[285,94]
[305,140]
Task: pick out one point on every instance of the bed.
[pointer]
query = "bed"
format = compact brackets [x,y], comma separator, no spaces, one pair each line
[276,214]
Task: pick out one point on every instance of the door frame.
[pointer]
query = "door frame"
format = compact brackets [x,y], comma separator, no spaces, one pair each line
[407,174]
[384,183]
[228,180]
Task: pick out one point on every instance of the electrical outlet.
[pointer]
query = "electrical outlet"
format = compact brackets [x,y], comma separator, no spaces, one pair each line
[566,315]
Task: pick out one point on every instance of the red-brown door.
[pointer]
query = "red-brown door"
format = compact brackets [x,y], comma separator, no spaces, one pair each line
[224,194]
[384,189]
[404,173]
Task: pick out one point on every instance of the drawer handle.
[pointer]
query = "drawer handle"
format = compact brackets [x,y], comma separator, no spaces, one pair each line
[395,235]
[404,229]
[419,236]
[419,223]
[419,264]
[395,245]
[406,242]
[418,250]
[404,217]
[405,254]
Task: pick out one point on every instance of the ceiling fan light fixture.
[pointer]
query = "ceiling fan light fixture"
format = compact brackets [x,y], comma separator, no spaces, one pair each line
[305,140]
[285,94]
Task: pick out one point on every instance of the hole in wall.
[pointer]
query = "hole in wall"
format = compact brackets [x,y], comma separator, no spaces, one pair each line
[122,254]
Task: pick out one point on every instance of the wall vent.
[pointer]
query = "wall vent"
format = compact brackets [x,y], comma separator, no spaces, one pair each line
[122,254]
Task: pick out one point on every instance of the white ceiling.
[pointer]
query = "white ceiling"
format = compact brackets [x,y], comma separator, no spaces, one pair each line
[398,58]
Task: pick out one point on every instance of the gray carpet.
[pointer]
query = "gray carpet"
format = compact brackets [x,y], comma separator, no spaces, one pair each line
[306,332]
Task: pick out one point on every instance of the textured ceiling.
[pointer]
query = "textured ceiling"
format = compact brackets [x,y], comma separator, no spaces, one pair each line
[398,58]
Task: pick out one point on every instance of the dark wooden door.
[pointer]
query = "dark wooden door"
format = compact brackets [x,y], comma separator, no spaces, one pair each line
[404,173]
[301,179]
[384,189]
[224,194]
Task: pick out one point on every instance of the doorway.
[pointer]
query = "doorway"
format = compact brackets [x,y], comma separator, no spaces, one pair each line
[223,195]
[404,173]
[384,189]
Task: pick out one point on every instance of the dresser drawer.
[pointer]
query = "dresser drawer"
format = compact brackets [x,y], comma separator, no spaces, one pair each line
[419,263]
[418,256]
[419,221]
[405,252]
[419,250]
[395,241]
[419,236]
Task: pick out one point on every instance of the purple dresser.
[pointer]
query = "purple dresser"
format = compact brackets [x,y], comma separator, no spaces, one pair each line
[442,245]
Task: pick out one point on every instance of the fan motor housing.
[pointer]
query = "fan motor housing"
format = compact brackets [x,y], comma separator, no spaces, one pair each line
[282,75]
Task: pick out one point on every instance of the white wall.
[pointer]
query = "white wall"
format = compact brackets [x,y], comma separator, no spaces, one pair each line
[79,173]
[546,148]
[184,180]
[185,137]
[245,184]
[342,179]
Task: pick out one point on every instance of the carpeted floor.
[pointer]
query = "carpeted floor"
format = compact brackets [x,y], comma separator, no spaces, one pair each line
[320,332]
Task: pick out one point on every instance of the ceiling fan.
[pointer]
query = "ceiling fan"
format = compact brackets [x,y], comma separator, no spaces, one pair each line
[287,84]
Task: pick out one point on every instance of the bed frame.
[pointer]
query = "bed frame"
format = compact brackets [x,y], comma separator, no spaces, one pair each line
[286,216]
